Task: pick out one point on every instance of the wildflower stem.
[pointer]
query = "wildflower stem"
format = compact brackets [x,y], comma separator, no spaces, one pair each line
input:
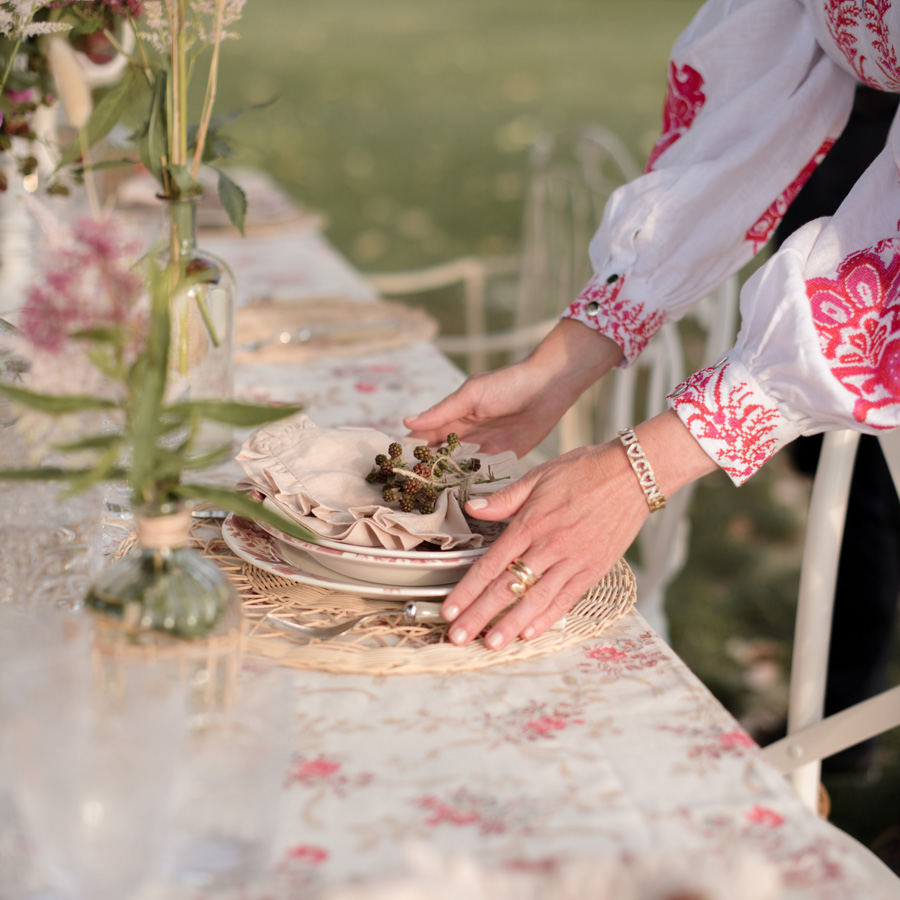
[90,185]
[9,63]
[210,98]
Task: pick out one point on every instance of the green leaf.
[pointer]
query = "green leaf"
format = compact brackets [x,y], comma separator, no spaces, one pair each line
[211,458]
[185,183]
[231,412]
[99,335]
[95,442]
[56,405]
[153,144]
[245,506]
[104,470]
[106,114]
[42,473]
[217,148]
[234,200]
[109,164]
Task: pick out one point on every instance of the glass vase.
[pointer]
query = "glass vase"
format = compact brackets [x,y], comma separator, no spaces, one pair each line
[202,349]
[165,599]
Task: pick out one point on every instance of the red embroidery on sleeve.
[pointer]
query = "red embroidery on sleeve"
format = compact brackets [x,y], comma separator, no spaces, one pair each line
[624,321]
[739,428]
[857,317]
[847,22]
[759,233]
[684,99]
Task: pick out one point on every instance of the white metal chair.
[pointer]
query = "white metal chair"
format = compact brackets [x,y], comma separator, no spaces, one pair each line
[571,176]
[811,737]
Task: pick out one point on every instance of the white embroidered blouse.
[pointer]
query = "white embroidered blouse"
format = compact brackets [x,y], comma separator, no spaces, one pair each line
[758,92]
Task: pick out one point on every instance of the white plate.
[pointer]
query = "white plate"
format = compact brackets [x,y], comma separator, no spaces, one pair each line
[382,569]
[490,530]
[257,547]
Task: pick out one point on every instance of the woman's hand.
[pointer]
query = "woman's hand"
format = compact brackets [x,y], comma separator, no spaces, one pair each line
[516,407]
[572,519]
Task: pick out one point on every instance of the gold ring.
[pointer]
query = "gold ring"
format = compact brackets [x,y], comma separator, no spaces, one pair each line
[525,578]
[523,572]
[518,588]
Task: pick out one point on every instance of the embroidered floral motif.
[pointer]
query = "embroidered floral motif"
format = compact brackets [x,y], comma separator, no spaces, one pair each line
[705,743]
[624,656]
[622,320]
[763,815]
[759,233]
[846,21]
[684,99]
[488,814]
[740,427]
[857,317]
[535,721]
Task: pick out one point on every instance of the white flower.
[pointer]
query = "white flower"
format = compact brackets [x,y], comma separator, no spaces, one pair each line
[16,16]
[199,25]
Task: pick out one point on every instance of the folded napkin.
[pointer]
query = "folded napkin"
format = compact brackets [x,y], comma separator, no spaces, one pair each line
[317,476]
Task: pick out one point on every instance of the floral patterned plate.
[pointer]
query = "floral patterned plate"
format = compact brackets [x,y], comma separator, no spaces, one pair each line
[248,541]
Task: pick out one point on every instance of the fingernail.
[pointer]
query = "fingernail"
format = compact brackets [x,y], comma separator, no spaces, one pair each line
[494,640]
[477,503]
[458,636]
[450,612]
[528,633]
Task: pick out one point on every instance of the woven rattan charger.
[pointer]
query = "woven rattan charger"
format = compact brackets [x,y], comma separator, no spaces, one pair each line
[389,645]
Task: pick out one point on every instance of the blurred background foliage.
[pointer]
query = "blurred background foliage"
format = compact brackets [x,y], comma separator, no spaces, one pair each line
[407,124]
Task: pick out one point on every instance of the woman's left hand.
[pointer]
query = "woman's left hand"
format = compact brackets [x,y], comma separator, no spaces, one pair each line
[572,519]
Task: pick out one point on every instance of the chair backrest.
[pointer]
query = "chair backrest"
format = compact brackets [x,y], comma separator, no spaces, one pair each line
[811,737]
[571,175]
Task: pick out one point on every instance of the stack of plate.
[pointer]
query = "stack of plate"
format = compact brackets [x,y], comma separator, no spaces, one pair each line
[366,571]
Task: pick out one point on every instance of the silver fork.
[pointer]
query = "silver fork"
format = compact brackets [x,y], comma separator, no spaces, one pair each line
[415,611]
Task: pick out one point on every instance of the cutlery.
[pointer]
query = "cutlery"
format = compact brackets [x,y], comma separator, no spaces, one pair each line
[305,335]
[414,612]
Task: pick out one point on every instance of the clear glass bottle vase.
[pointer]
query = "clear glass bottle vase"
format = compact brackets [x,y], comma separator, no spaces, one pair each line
[165,599]
[164,585]
[202,349]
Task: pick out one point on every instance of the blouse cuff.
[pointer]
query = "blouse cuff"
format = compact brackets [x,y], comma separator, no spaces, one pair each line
[737,425]
[604,306]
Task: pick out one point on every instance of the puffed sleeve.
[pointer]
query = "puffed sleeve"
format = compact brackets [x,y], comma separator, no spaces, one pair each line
[753,105]
[819,345]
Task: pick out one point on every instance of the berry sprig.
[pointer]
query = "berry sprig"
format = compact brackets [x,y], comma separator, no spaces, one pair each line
[416,486]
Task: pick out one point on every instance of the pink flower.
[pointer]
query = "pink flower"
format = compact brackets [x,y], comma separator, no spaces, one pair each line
[25,96]
[87,283]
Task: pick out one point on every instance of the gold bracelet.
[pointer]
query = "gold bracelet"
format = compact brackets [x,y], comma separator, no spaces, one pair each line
[656,499]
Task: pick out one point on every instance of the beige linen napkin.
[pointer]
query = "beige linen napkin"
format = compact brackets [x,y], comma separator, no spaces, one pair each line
[317,476]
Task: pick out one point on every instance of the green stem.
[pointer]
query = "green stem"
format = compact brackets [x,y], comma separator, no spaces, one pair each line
[9,64]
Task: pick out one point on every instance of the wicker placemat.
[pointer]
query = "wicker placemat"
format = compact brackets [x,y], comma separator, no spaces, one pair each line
[389,645]
[338,327]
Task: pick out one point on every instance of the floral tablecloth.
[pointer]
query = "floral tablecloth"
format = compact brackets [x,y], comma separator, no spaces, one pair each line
[610,749]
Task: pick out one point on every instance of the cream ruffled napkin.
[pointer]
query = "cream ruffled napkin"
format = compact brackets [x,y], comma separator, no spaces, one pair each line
[317,476]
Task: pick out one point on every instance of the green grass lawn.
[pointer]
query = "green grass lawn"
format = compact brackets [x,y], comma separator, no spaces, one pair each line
[407,122]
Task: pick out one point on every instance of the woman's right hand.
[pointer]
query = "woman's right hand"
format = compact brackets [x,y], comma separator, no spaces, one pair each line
[516,407]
